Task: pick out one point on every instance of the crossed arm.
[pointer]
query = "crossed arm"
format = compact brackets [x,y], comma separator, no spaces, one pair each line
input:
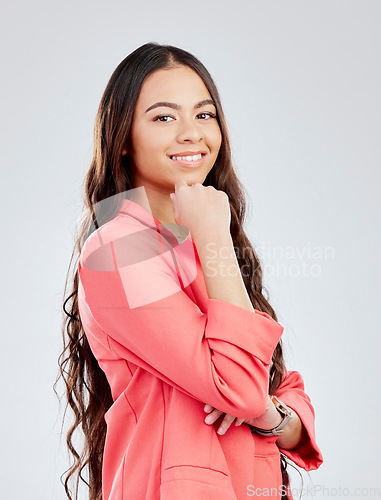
[292,436]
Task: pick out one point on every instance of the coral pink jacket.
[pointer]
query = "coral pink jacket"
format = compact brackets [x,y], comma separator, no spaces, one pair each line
[167,349]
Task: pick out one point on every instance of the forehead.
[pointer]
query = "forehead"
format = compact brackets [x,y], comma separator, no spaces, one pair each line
[178,85]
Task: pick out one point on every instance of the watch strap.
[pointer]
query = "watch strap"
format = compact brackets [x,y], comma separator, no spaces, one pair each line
[286,414]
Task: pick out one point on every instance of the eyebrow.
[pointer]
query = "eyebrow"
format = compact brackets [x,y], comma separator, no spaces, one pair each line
[165,104]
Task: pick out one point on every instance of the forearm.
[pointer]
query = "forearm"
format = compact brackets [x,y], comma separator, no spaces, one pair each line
[221,270]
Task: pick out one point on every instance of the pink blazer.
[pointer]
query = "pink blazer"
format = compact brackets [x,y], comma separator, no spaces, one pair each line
[167,349]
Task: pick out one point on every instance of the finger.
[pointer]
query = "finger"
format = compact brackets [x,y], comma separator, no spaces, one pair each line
[179,183]
[225,424]
[239,421]
[208,408]
[212,417]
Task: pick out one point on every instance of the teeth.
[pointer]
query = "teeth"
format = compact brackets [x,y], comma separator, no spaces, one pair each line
[187,158]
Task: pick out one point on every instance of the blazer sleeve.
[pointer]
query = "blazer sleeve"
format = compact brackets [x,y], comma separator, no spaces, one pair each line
[220,357]
[291,391]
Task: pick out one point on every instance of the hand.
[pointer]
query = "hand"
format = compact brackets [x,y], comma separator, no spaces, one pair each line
[214,414]
[201,208]
[269,419]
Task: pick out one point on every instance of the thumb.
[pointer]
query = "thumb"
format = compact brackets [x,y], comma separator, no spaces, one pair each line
[178,184]
[175,207]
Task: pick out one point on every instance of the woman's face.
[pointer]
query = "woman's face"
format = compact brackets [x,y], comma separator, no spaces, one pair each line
[175,133]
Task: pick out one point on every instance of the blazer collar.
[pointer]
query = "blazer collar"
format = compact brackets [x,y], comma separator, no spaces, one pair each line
[133,208]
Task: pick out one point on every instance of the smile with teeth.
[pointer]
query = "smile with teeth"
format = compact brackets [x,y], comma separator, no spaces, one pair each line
[187,158]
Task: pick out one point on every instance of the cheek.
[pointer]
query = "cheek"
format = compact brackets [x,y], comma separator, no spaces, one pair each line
[152,140]
[143,144]
[217,138]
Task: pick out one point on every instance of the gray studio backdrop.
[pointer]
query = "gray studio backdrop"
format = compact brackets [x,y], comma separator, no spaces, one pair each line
[300,85]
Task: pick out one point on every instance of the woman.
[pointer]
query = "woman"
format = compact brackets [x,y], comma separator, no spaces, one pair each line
[172,354]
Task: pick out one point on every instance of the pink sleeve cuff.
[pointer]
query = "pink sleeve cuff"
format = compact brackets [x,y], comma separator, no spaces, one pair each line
[266,332]
[307,455]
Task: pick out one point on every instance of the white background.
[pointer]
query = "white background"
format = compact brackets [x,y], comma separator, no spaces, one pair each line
[300,85]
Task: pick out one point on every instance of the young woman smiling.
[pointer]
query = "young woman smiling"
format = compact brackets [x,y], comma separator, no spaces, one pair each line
[173,368]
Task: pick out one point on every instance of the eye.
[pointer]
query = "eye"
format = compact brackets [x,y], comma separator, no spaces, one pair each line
[206,116]
[163,118]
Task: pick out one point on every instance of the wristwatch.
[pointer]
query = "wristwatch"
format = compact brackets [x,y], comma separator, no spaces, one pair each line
[276,431]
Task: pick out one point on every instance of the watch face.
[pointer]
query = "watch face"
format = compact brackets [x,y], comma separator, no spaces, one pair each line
[281,407]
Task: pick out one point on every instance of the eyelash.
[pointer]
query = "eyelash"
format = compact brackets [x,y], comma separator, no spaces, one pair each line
[158,118]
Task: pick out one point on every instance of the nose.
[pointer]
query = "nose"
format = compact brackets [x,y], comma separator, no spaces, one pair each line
[189,131]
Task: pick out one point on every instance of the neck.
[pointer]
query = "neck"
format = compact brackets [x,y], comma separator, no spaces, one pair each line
[157,202]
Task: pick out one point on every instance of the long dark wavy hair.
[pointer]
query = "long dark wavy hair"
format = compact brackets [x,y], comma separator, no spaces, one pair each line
[86,388]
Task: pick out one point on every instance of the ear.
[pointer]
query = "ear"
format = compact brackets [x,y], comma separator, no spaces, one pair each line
[124,152]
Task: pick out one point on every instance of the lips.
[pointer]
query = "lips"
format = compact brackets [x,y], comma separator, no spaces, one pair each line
[188,153]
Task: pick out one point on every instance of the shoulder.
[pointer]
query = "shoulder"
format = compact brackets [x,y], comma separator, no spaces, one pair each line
[126,241]
[114,239]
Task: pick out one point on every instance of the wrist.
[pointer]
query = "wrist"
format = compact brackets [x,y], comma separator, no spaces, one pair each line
[219,236]
[269,419]
[285,415]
